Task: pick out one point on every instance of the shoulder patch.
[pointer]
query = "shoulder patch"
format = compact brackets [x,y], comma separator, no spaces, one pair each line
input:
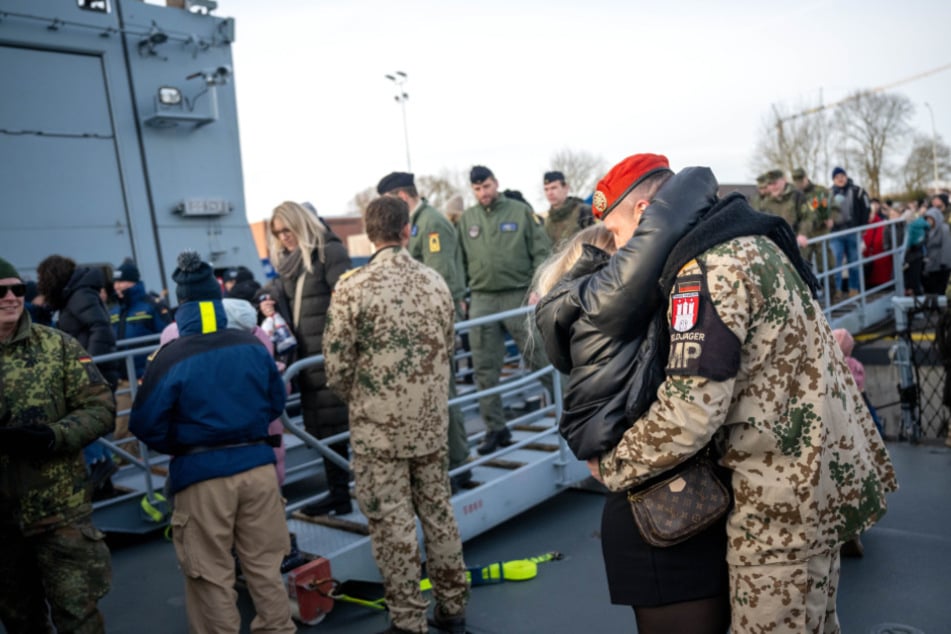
[434,242]
[700,343]
[91,370]
[414,231]
[348,273]
[686,267]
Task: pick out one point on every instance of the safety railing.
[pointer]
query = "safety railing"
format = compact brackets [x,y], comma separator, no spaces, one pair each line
[872,303]
[146,462]
[505,388]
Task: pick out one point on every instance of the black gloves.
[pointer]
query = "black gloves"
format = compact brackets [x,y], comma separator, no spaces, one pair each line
[29,441]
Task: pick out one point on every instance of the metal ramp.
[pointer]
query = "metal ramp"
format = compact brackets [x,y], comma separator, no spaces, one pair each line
[536,466]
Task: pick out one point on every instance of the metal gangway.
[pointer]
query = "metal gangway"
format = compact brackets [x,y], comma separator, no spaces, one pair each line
[537,466]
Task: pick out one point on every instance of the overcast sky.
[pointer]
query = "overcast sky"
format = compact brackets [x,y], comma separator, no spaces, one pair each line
[508,83]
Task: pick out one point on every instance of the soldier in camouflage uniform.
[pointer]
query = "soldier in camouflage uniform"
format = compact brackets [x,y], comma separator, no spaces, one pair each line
[817,205]
[761,190]
[433,241]
[53,561]
[789,204]
[503,243]
[388,344]
[753,365]
[568,214]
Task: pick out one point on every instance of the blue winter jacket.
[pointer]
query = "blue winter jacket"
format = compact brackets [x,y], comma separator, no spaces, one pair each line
[138,315]
[207,398]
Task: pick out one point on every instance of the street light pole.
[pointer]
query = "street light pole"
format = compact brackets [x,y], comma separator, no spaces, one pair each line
[399,78]
[934,145]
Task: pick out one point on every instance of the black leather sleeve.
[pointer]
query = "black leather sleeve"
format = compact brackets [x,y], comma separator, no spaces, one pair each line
[621,298]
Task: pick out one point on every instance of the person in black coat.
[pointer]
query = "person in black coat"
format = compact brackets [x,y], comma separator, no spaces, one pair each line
[76,292]
[310,259]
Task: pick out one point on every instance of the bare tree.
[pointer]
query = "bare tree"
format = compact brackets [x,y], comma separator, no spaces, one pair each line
[361,199]
[582,169]
[792,137]
[872,125]
[923,161]
[439,189]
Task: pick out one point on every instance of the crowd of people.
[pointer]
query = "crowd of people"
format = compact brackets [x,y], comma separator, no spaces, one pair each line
[666,306]
[814,210]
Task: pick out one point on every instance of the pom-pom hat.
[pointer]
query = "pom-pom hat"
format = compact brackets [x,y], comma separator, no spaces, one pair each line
[196,279]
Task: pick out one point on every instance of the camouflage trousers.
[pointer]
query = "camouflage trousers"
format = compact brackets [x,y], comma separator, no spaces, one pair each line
[794,598]
[488,348]
[69,569]
[391,493]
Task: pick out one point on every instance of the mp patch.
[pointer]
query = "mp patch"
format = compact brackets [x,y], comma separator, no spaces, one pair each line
[700,343]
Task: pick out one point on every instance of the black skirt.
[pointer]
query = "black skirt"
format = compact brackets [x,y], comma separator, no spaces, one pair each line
[643,575]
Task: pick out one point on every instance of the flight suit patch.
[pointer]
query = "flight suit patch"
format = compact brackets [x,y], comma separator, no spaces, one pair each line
[700,343]
[414,231]
[507,227]
[474,231]
[434,243]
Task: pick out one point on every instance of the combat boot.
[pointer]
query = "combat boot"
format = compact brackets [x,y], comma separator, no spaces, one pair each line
[451,623]
[494,440]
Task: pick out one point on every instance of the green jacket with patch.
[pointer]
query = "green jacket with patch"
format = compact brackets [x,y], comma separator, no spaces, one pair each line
[502,245]
[46,378]
[433,242]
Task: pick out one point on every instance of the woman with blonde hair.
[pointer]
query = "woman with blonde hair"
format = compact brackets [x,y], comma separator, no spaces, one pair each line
[310,259]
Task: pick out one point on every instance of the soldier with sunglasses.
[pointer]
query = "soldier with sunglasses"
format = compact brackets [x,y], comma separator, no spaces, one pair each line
[54,564]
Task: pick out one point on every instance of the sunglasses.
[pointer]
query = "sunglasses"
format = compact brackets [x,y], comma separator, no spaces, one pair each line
[19,290]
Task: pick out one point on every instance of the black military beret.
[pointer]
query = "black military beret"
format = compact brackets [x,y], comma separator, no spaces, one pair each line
[480,173]
[762,178]
[554,176]
[774,175]
[394,180]
[798,174]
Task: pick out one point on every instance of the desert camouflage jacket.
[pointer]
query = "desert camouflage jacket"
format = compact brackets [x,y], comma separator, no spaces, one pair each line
[47,378]
[753,362]
[387,347]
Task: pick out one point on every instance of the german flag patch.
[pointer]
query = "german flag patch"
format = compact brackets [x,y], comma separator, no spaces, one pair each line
[91,370]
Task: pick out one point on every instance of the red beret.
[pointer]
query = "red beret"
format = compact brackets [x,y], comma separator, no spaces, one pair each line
[623,178]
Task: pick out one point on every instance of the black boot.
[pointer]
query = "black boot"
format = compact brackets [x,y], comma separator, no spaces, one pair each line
[494,440]
[452,623]
[338,481]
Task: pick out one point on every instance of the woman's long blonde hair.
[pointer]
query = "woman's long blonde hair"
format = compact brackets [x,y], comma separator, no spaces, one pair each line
[560,262]
[310,232]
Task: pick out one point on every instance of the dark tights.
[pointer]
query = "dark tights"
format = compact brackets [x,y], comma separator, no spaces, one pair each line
[703,616]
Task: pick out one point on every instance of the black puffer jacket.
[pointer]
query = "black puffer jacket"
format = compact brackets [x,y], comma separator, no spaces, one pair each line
[324,413]
[85,317]
[612,350]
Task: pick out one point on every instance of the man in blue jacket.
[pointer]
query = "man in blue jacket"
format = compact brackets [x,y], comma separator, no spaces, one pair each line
[222,474]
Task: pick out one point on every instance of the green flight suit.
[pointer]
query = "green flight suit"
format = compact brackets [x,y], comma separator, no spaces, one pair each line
[433,241]
[502,245]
